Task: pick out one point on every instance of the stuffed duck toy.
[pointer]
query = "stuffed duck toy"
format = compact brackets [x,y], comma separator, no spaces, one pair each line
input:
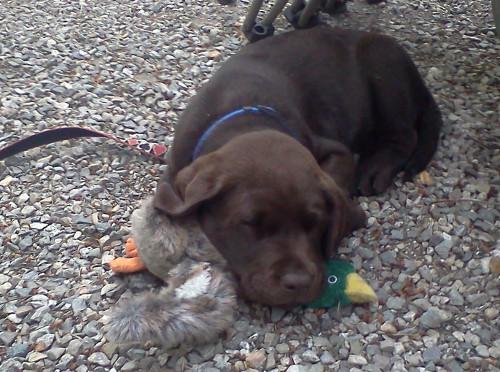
[198,301]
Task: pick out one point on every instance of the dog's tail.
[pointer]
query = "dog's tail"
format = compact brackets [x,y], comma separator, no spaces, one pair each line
[429,125]
[171,321]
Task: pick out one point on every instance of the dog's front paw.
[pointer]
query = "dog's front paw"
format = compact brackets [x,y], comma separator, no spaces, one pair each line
[375,180]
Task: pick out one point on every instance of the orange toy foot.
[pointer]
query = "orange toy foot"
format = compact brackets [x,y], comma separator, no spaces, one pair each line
[131,248]
[130,264]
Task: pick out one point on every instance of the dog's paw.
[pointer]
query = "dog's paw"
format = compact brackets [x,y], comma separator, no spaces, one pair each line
[375,180]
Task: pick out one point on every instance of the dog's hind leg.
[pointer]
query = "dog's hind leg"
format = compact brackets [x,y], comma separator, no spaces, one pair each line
[406,119]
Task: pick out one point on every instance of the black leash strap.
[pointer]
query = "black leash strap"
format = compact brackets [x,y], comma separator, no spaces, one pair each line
[48,136]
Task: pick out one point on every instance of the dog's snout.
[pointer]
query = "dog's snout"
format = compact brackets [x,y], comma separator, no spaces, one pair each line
[296,281]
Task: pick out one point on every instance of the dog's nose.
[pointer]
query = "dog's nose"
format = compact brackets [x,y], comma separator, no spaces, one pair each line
[296,281]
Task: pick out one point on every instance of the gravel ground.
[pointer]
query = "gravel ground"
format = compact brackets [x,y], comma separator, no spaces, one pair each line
[129,67]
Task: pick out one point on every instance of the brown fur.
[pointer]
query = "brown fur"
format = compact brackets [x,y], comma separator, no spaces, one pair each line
[273,205]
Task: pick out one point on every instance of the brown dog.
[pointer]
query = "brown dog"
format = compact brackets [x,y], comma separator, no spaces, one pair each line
[270,185]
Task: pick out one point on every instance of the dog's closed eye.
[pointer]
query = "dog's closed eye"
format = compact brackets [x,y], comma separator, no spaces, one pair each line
[256,220]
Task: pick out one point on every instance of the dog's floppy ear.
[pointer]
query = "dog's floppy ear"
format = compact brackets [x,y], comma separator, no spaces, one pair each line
[345,215]
[193,185]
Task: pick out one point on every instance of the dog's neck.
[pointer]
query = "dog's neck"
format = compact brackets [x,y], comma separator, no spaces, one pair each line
[236,122]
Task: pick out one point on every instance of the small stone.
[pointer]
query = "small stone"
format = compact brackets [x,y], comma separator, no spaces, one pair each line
[276,314]
[18,350]
[178,53]
[388,257]
[4,278]
[28,210]
[494,351]
[270,339]
[282,348]
[388,328]
[397,235]
[38,225]
[432,354]
[310,356]
[357,360]
[6,181]
[433,318]
[435,239]
[491,313]
[129,366]
[64,361]
[25,242]
[109,349]
[319,341]
[434,74]
[355,347]
[90,329]
[343,353]
[74,347]
[456,298]
[387,345]
[316,368]
[213,54]
[399,348]
[256,359]
[443,248]
[414,359]
[478,299]
[482,187]
[78,304]
[297,368]
[381,361]
[35,356]
[472,339]
[458,335]
[495,265]
[108,288]
[99,358]
[270,362]
[365,253]
[7,337]
[482,351]
[44,342]
[327,358]
[395,303]
[55,353]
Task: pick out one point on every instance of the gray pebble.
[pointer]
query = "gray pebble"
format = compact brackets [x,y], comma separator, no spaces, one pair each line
[432,354]
[7,338]
[99,358]
[55,353]
[74,347]
[395,303]
[310,356]
[433,318]
[388,257]
[78,304]
[18,350]
[443,248]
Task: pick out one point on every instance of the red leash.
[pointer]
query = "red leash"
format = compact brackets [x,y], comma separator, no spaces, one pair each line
[154,151]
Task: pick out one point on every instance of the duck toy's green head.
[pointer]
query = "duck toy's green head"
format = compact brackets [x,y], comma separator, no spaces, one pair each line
[343,286]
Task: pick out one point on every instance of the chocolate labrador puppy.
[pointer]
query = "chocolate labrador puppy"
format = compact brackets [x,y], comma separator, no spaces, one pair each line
[263,154]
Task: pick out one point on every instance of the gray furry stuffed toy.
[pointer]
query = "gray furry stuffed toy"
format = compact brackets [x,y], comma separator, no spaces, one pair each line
[198,301]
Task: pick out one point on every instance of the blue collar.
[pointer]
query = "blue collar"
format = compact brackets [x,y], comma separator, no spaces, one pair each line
[246,110]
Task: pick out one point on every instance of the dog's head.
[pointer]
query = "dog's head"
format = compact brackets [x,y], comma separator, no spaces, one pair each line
[270,210]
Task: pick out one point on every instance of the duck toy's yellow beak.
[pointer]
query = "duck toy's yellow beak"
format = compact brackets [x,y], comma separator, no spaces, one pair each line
[343,286]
